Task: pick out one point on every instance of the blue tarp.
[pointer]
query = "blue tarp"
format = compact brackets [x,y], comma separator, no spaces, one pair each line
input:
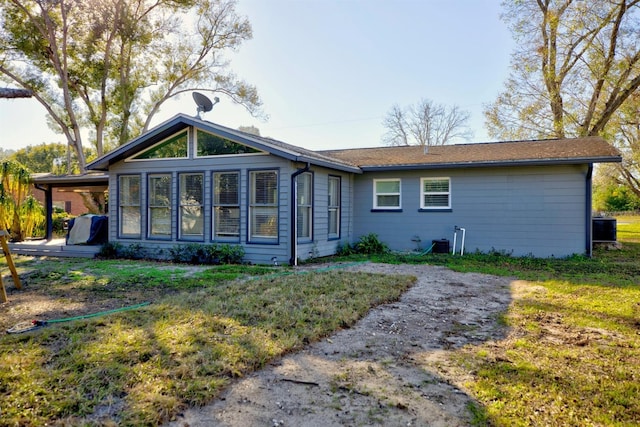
[88,230]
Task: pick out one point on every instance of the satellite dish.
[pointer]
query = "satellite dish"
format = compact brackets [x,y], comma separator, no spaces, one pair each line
[204,104]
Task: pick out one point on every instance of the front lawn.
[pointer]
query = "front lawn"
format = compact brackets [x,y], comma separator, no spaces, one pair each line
[203,327]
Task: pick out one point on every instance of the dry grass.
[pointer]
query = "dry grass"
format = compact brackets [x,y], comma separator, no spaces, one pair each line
[202,329]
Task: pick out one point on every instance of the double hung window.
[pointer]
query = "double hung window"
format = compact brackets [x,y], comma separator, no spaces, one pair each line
[226,206]
[129,205]
[334,207]
[435,193]
[159,206]
[386,194]
[263,206]
[305,206]
[191,205]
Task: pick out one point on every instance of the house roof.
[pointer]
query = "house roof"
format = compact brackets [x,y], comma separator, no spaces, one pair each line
[182,121]
[511,153]
[552,151]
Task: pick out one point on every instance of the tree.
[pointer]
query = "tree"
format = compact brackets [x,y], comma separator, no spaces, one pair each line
[425,124]
[18,210]
[109,66]
[249,129]
[52,158]
[576,64]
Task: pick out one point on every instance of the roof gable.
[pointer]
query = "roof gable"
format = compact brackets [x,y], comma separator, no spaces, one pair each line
[181,121]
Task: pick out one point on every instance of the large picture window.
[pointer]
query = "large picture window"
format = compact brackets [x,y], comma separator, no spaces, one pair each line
[174,147]
[160,206]
[212,145]
[191,210]
[334,207]
[435,193]
[129,205]
[226,206]
[386,194]
[263,206]
[304,218]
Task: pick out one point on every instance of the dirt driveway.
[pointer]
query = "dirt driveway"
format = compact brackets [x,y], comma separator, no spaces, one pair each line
[390,369]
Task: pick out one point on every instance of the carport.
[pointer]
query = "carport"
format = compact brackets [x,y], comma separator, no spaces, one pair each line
[88,182]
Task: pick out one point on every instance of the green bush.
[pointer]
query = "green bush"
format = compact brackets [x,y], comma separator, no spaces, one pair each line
[110,250]
[368,244]
[196,253]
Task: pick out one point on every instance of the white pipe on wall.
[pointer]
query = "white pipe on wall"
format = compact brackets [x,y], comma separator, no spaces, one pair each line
[455,238]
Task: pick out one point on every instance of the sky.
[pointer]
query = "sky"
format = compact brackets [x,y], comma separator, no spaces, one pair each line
[328,71]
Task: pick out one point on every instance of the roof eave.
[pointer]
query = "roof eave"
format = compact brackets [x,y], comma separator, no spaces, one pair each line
[460,165]
[70,180]
[329,164]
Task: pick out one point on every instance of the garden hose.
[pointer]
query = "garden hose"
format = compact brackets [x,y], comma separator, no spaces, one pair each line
[35,324]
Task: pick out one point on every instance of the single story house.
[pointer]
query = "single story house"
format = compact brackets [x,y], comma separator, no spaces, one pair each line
[189,180]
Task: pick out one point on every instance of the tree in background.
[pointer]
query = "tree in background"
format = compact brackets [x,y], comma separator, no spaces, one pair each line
[55,158]
[5,153]
[249,129]
[425,123]
[576,64]
[108,66]
[575,73]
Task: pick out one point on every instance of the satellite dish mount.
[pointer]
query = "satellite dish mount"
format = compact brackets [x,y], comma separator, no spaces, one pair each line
[204,104]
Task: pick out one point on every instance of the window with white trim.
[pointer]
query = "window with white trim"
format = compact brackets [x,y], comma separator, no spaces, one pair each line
[386,194]
[191,209]
[263,205]
[129,205]
[226,206]
[435,193]
[304,193]
[159,206]
[334,205]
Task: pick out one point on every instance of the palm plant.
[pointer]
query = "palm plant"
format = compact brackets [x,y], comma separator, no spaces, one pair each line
[14,189]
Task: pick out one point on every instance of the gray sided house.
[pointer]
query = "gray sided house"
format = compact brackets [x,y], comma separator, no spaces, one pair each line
[189,180]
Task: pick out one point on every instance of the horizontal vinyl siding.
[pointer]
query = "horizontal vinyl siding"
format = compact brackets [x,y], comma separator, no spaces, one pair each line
[321,245]
[528,210]
[254,252]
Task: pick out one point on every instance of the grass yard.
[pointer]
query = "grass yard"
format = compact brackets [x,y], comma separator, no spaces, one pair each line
[571,355]
[203,327]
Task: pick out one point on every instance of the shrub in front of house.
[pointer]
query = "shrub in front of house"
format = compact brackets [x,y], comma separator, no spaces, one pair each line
[368,244]
[197,253]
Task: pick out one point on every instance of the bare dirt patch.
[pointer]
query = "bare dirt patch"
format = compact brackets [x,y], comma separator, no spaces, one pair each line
[389,369]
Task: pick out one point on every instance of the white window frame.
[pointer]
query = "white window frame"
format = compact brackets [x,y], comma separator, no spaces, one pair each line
[254,235]
[376,194]
[435,193]
[304,205]
[129,204]
[190,206]
[215,206]
[336,206]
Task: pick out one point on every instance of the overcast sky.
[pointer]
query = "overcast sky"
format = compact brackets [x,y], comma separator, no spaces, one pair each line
[329,70]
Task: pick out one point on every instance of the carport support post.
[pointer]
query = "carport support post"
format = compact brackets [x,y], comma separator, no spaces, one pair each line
[48,207]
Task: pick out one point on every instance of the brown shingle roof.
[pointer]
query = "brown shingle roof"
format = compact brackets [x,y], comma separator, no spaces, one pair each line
[577,150]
